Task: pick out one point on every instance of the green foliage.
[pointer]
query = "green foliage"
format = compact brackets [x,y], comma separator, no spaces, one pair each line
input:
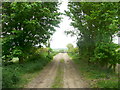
[95,76]
[53,53]
[107,84]
[13,74]
[61,50]
[17,53]
[26,24]
[94,25]
[76,50]
[106,53]
[70,47]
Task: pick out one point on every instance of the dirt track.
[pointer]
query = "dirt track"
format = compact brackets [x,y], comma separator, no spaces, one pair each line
[71,77]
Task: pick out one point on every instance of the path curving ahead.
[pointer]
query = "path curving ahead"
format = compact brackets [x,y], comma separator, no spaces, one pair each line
[71,76]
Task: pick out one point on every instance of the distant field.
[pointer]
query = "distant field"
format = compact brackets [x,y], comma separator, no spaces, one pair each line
[58,49]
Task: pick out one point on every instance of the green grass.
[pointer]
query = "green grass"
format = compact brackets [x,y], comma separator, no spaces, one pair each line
[62,60]
[96,76]
[58,82]
[112,83]
[0,77]
[18,75]
[53,53]
[26,78]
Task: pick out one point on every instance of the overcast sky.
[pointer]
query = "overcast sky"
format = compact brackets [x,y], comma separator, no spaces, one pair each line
[59,38]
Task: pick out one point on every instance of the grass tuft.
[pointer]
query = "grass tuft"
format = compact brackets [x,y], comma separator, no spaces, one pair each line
[58,82]
[96,76]
[14,76]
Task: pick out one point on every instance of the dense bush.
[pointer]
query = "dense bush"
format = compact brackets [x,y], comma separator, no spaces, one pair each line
[106,54]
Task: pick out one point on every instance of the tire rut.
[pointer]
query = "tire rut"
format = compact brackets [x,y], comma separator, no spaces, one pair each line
[71,77]
[46,77]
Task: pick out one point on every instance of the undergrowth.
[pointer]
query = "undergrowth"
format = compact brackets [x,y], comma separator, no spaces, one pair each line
[14,75]
[97,77]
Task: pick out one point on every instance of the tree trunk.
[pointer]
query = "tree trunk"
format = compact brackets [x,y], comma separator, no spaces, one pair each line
[21,59]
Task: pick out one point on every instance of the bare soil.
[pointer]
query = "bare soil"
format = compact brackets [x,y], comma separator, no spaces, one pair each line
[71,77]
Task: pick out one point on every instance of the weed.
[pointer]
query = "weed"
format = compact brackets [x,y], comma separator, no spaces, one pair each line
[62,60]
[98,78]
[58,82]
[13,74]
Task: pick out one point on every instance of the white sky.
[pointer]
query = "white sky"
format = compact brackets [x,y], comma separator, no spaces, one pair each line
[115,40]
[59,38]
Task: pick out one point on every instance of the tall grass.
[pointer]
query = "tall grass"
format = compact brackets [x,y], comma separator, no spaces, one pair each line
[96,76]
[13,74]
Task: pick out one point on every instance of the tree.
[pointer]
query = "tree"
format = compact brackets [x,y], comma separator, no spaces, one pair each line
[70,47]
[26,25]
[95,22]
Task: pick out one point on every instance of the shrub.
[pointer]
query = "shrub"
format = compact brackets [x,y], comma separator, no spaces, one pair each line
[107,84]
[12,74]
[106,54]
